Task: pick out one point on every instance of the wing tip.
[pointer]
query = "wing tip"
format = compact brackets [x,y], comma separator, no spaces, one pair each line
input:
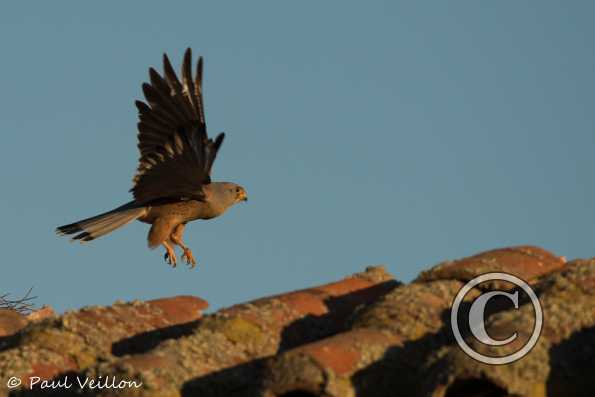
[188,57]
[141,106]
[153,73]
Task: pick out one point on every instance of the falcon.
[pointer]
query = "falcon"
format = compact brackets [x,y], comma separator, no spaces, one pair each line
[172,185]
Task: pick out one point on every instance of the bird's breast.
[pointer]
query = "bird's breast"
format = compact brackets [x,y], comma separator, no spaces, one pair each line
[185,211]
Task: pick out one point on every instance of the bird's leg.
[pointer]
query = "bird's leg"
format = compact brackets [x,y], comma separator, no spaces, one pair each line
[176,237]
[170,254]
[161,229]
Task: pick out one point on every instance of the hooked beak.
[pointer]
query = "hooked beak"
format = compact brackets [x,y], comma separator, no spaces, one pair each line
[242,196]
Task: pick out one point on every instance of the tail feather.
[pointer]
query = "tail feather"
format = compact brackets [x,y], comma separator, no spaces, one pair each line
[97,226]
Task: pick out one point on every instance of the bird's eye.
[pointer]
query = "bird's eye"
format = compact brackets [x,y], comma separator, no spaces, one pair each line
[237,189]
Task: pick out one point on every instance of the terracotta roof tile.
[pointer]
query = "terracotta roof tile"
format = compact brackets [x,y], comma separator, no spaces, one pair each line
[327,367]
[11,321]
[41,313]
[412,313]
[366,335]
[78,339]
[239,336]
[562,361]
[525,262]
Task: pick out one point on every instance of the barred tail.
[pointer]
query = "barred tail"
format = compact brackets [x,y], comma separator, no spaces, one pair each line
[97,226]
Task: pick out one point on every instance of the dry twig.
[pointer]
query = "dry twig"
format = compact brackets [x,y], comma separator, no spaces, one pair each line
[22,305]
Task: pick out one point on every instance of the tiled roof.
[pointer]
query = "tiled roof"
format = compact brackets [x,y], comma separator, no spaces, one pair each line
[366,335]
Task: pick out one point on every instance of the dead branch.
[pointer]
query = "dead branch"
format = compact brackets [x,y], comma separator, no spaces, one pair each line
[23,305]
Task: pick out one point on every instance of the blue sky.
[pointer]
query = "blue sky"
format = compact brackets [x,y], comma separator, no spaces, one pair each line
[397,133]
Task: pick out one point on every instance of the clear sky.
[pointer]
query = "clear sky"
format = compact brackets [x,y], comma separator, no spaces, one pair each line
[397,133]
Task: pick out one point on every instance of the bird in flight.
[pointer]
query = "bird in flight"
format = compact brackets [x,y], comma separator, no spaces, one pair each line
[172,185]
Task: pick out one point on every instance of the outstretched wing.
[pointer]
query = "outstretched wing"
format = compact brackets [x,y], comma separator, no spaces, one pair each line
[176,155]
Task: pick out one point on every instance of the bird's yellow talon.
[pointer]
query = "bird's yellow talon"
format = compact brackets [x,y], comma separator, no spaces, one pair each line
[170,258]
[189,258]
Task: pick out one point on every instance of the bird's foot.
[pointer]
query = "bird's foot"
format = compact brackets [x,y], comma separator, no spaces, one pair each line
[189,258]
[170,257]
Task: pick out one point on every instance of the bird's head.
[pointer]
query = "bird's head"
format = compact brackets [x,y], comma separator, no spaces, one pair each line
[227,193]
[239,193]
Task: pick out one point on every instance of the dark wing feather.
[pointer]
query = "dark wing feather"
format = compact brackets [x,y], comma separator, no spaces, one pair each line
[176,155]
